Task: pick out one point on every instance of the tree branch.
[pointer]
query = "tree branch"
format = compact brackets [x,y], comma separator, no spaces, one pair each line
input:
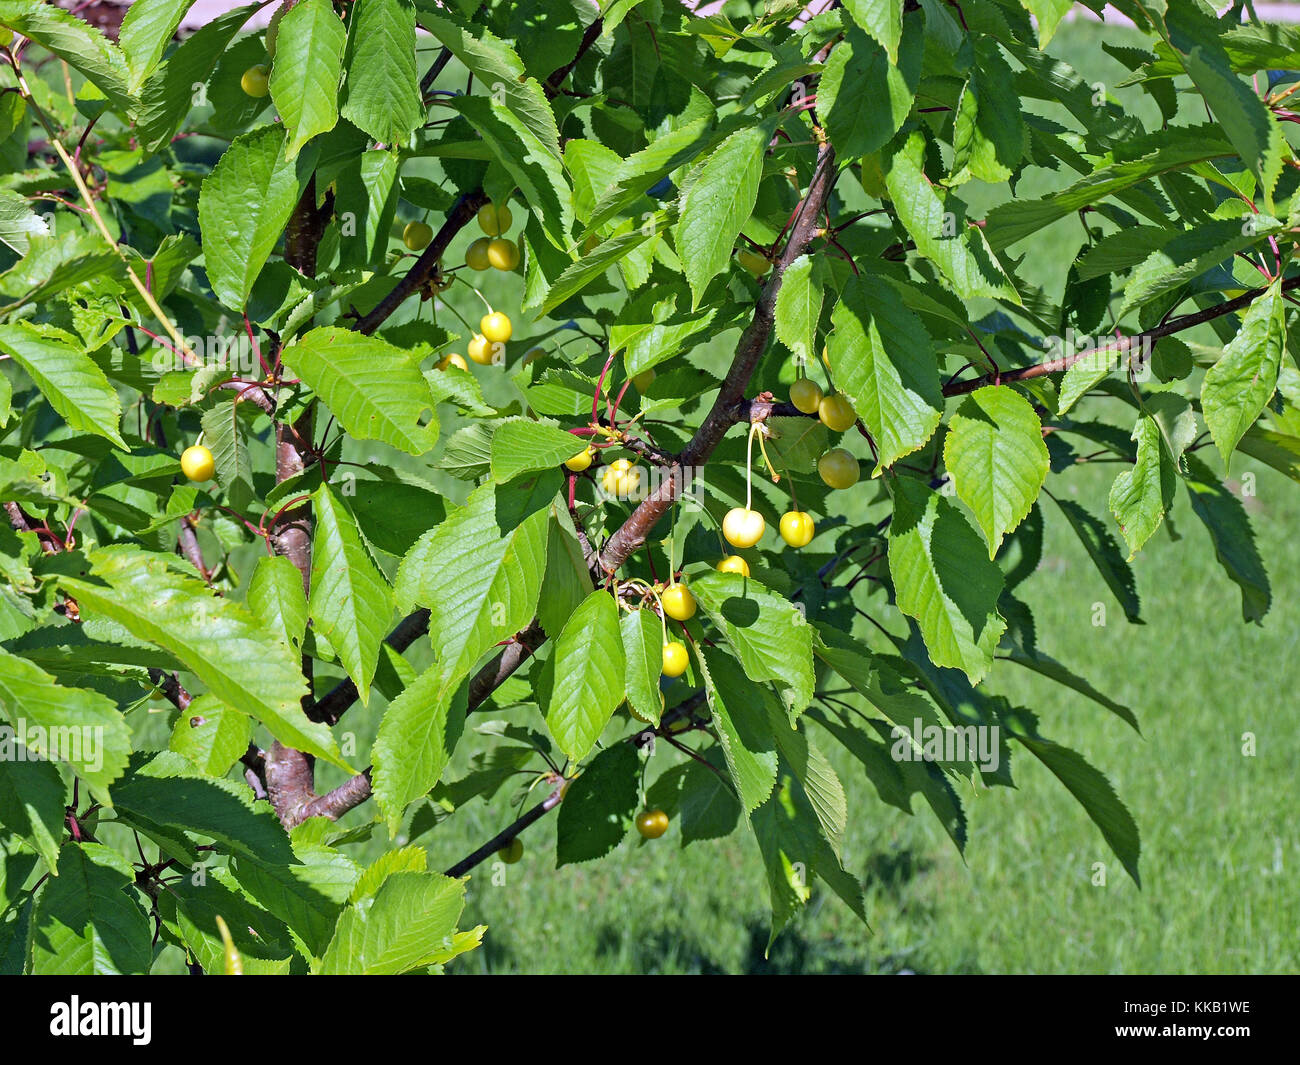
[460,215]
[727,406]
[1174,325]
[589,37]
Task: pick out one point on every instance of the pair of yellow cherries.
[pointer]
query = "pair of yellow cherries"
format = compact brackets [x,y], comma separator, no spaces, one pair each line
[495,328]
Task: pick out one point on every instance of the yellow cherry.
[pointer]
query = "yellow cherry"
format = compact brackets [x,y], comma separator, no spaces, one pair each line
[836,413]
[838,468]
[454,358]
[734,564]
[496,327]
[652,823]
[806,394]
[797,528]
[255,82]
[755,262]
[416,236]
[675,659]
[476,255]
[503,254]
[494,219]
[197,463]
[679,603]
[481,350]
[580,461]
[743,528]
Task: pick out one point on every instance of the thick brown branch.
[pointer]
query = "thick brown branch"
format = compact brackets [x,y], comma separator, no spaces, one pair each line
[753,343]
[347,796]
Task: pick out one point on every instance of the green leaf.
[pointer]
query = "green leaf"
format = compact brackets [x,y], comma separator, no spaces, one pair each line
[1140,497]
[68,378]
[479,573]
[643,640]
[960,251]
[168,93]
[799,308]
[418,732]
[884,363]
[75,725]
[1105,555]
[1234,540]
[794,848]
[244,205]
[33,803]
[89,921]
[1048,15]
[766,632]
[589,675]
[1190,254]
[494,64]
[989,135]
[305,76]
[599,806]
[222,810]
[74,41]
[717,204]
[744,728]
[211,736]
[1089,786]
[858,69]
[225,438]
[698,798]
[566,581]
[1171,149]
[351,603]
[147,30]
[1278,450]
[308,894]
[530,162]
[882,19]
[382,92]
[1194,35]
[642,170]
[944,579]
[521,445]
[1084,375]
[1237,387]
[410,923]
[277,597]
[190,911]
[375,390]
[18,222]
[590,268]
[242,662]
[996,457]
